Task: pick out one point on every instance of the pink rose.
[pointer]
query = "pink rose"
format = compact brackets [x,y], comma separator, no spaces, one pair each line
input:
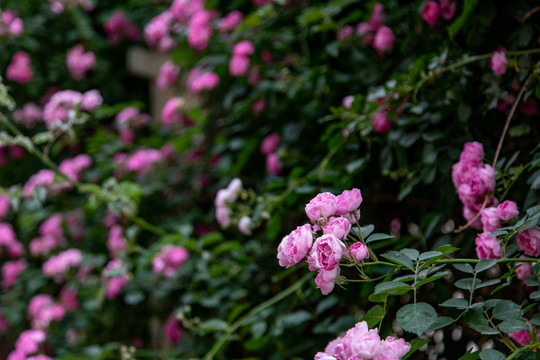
[244,225]
[498,62]
[326,279]
[522,337]
[431,13]
[80,62]
[523,270]
[321,206]
[377,17]
[239,65]
[243,48]
[362,342]
[381,124]
[507,210]
[348,201]
[273,165]
[490,220]
[529,241]
[168,75]
[448,9]
[326,253]
[472,154]
[172,329]
[345,33]
[231,21]
[295,246]
[393,349]
[170,114]
[270,144]
[359,251]
[20,68]
[487,247]
[347,101]
[339,227]
[384,39]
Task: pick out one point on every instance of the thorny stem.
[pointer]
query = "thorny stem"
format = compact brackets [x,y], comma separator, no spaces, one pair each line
[499,146]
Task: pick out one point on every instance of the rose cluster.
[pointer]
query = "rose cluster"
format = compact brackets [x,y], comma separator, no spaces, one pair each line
[169,260]
[334,216]
[475,182]
[374,32]
[269,148]
[360,342]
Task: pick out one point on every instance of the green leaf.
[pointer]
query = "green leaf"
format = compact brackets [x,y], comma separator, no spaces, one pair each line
[457,303]
[437,276]
[535,319]
[512,326]
[429,254]
[465,284]
[410,253]
[366,230]
[467,268]
[441,322]
[491,303]
[296,318]
[478,322]
[374,316]
[527,355]
[484,264]
[416,318]
[399,258]
[390,286]
[378,236]
[479,285]
[490,354]
[470,355]
[507,310]
[415,345]
[326,303]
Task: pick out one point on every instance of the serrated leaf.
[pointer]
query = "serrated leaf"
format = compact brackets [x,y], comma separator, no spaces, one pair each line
[465,284]
[531,280]
[506,310]
[366,230]
[478,322]
[373,316]
[511,326]
[535,295]
[429,254]
[441,322]
[399,259]
[377,297]
[484,264]
[466,268]
[391,286]
[490,354]
[416,318]
[378,236]
[457,303]
[535,319]
[487,283]
[437,276]
[410,253]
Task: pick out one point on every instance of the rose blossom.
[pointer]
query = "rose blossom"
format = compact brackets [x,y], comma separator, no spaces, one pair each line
[337,226]
[490,220]
[168,75]
[529,241]
[381,124]
[20,68]
[295,246]
[80,62]
[270,144]
[244,225]
[273,165]
[498,62]
[507,210]
[172,329]
[487,247]
[322,205]
[231,21]
[384,39]
[326,253]
[348,201]
[448,9]
[431,13]
[326,279]
[359,251]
